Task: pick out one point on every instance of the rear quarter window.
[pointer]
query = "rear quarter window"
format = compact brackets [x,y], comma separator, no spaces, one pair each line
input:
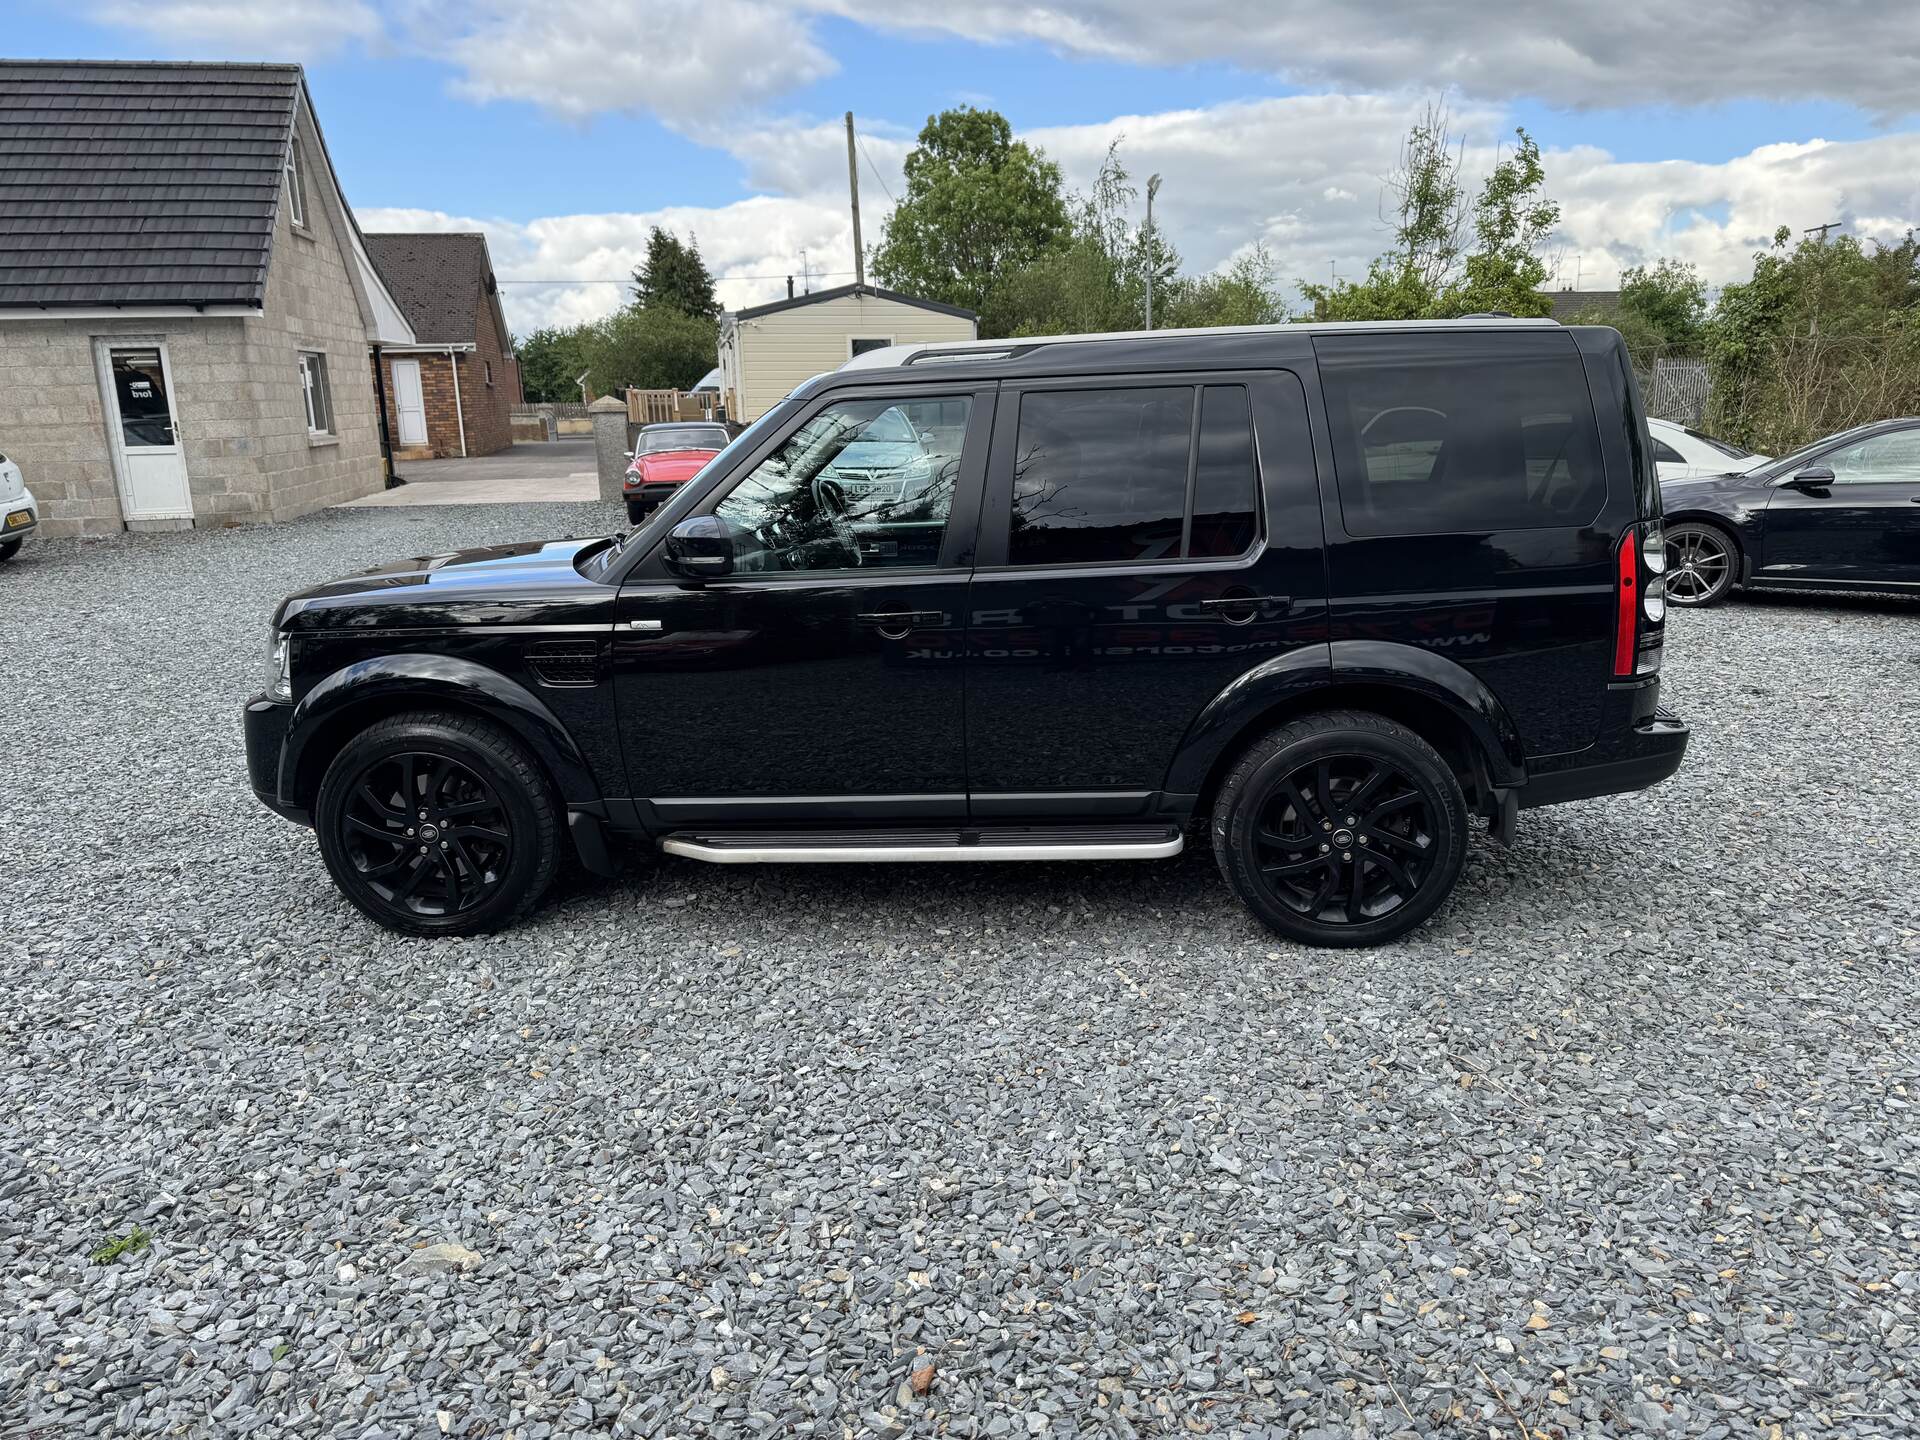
[1439,434]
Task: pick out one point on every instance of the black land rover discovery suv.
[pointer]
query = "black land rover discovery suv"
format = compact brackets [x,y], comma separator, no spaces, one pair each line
[1325,592]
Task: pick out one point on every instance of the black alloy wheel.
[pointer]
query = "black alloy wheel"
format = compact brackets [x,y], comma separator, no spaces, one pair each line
[426,834]
[1342,828]
[437,825]
[1701,563]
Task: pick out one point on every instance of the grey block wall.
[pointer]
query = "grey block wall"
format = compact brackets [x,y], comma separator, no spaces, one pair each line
[237,396]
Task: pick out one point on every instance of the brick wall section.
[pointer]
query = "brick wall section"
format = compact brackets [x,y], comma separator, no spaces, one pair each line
[486,409]
[237,396]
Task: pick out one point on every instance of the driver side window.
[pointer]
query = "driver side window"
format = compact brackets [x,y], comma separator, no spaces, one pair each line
[1881,459]
[862,484]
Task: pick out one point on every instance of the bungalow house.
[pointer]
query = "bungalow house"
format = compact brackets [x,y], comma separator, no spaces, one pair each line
[453,392]
[186,304]
[766,350]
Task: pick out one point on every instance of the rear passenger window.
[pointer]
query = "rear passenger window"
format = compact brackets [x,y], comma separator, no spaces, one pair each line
[1133,474]
[1456,434]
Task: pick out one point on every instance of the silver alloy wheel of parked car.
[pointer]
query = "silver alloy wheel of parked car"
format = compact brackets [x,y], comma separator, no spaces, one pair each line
[1700,564]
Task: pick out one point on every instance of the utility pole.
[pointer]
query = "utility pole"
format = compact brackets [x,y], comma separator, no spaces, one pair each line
[1153,189]
[853,188]
[1821,230]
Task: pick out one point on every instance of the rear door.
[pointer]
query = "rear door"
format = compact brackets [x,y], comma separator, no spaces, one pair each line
[1145,540]
[1470,517]
[1865,527]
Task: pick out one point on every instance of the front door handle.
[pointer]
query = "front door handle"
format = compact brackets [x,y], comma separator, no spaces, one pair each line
[1242,609]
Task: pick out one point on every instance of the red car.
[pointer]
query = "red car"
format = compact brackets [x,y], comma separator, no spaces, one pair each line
[666,457]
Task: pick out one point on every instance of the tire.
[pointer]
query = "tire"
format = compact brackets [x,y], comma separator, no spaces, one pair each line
[1702,561]
[482,855]
[10,548]
[636,512]
[1410,822]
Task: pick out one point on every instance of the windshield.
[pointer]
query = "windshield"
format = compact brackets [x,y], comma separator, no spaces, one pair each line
[682,437]
[1725,447]
[1788,463]
[598,565]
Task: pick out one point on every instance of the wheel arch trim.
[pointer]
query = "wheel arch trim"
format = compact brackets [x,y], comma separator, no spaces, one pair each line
[383,684]
[1301,678]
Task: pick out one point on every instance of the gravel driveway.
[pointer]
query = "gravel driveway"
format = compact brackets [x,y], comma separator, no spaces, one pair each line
[1623,1142]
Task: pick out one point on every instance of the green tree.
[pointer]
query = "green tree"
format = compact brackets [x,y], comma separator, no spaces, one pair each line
[1246,292]
[673,276]
[1423,275]
[550,358]
[1669,302]
[1824,335]
[979,207]
[650,348]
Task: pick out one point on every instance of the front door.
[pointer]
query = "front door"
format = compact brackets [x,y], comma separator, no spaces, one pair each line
[1144,543]
[822,679]
[409,403]
[153,463]
[1864,527]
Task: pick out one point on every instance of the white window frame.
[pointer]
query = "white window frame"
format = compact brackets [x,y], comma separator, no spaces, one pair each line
[852,340]
[295,171]
[313,376]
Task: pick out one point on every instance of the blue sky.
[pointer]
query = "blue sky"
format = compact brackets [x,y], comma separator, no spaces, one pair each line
[526,119]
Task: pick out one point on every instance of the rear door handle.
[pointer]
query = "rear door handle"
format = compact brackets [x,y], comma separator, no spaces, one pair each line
[1247,602]
[894,624]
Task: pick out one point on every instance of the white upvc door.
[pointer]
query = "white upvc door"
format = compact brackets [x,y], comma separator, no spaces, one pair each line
[137,382]
[409,402]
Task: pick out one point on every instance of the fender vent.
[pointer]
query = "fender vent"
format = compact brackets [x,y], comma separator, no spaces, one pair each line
[565,662]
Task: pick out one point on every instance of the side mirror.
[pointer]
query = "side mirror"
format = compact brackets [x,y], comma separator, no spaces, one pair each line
[1814,477]
[700,548]
[627,453]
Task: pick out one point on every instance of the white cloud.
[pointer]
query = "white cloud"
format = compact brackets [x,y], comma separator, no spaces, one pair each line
[582,262]
[685,61]
[285,30]
[1629,52]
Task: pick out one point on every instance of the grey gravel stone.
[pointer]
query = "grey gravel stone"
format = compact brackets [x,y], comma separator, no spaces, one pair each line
[1116,1159]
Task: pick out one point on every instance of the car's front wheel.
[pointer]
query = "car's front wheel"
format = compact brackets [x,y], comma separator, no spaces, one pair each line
[1702,561]
[9,549]
[1341,828]
[438,824]
[637,511]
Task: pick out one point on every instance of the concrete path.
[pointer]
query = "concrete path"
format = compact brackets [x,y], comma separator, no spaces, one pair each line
[561,470]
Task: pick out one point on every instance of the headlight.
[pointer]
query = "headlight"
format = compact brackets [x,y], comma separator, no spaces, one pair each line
[280,669]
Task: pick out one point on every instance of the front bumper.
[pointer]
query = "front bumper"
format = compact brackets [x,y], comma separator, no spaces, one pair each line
[12,524]
[266,729]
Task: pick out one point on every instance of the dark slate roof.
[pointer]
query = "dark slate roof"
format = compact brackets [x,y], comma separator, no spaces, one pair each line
[439,280]
[841,291]
[1569,303]
[140,184]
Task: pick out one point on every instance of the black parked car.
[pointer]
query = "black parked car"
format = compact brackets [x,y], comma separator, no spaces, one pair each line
[1841,514]
[1328,590]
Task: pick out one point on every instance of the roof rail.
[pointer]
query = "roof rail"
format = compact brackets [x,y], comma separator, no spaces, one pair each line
[964,354]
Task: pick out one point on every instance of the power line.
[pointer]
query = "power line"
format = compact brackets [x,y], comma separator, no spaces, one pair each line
[628,280]
[876,173]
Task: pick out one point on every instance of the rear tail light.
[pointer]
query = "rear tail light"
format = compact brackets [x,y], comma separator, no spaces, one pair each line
[1627,604]
[1640,601]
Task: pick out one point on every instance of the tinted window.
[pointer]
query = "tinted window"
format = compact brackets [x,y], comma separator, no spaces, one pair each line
[1665,453]
[1892,458]
[840,493]
[1458,434]
[1101,475]
[1224,474]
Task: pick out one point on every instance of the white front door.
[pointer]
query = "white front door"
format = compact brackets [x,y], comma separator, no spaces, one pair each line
[409,402]
[153,464]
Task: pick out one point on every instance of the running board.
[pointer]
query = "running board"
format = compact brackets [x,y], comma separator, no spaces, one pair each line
[857,847]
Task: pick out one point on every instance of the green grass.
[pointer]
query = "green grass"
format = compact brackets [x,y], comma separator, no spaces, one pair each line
[131,1243]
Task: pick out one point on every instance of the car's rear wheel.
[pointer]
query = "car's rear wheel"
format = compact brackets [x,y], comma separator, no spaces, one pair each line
[1341,828]
[438,824]
[1702,561]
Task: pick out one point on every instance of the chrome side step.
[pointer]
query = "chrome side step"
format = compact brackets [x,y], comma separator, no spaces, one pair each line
[886,847]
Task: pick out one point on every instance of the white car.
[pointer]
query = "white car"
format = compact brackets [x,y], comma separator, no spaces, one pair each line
[1680,453]
[19,515]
